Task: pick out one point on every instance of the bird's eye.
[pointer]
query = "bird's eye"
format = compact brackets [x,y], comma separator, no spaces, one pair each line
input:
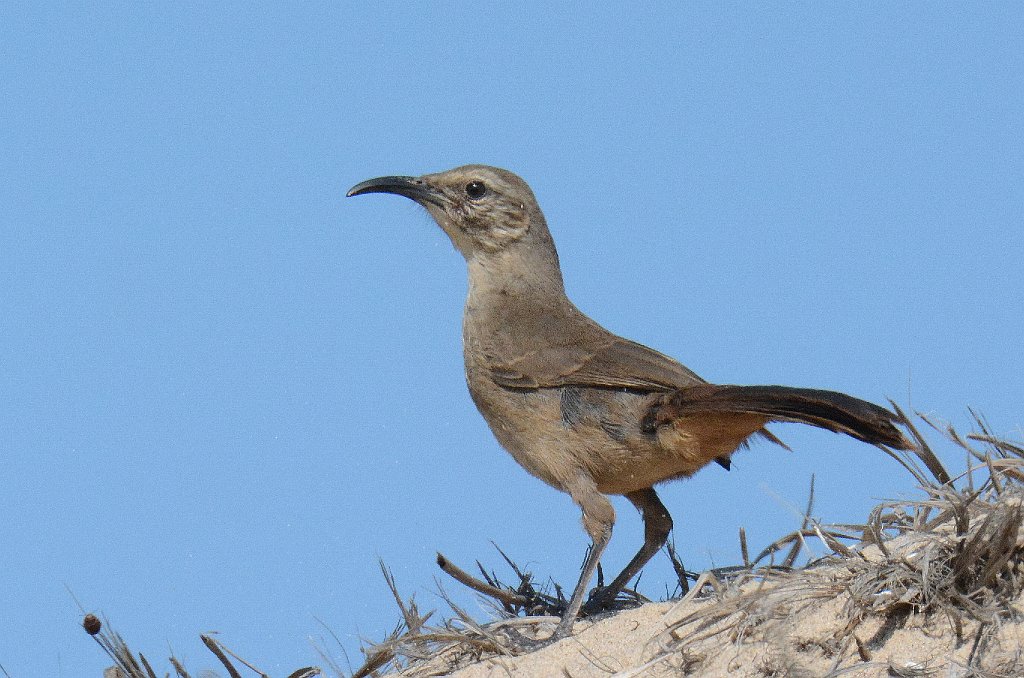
[476,190]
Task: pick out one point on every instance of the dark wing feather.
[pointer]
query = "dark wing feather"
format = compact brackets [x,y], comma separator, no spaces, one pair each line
[612,363]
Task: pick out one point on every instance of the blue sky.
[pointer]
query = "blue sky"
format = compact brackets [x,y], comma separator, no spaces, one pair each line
[225,390]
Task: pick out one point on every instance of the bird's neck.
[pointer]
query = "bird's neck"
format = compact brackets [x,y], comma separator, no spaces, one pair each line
[512,304]
[514,278]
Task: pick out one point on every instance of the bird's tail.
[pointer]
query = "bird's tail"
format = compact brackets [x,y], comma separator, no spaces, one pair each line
[825,409]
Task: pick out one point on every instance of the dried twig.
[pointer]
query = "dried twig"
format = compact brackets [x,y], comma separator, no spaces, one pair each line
[463,577]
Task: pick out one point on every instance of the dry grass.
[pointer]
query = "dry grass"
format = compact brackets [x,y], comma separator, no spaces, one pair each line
[950,564]
[127,664]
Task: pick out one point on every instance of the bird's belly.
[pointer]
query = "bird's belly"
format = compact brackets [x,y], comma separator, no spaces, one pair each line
[523,423]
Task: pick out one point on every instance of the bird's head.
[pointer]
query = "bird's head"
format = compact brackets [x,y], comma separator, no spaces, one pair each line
[484,210]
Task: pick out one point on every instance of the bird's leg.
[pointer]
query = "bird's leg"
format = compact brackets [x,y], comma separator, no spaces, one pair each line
[598,519]
[657,525]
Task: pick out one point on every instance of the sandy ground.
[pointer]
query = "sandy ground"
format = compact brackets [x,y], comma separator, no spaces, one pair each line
[945,598]
[637,643]
[804,625]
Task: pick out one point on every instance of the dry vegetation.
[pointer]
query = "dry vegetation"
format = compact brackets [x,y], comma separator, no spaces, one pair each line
[926,587]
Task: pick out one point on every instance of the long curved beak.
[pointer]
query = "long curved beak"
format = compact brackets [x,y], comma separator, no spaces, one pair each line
[411,187]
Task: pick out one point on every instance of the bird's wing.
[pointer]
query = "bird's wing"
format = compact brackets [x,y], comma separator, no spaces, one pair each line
[611,362]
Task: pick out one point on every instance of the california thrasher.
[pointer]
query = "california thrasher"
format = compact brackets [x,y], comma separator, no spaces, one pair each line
[584,410]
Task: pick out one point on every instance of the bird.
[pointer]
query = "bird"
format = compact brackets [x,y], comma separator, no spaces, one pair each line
[586,411]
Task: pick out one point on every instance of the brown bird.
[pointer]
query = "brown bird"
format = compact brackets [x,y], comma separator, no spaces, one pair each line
[584,410]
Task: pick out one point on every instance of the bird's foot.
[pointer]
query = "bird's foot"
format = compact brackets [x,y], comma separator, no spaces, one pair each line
[601,600]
